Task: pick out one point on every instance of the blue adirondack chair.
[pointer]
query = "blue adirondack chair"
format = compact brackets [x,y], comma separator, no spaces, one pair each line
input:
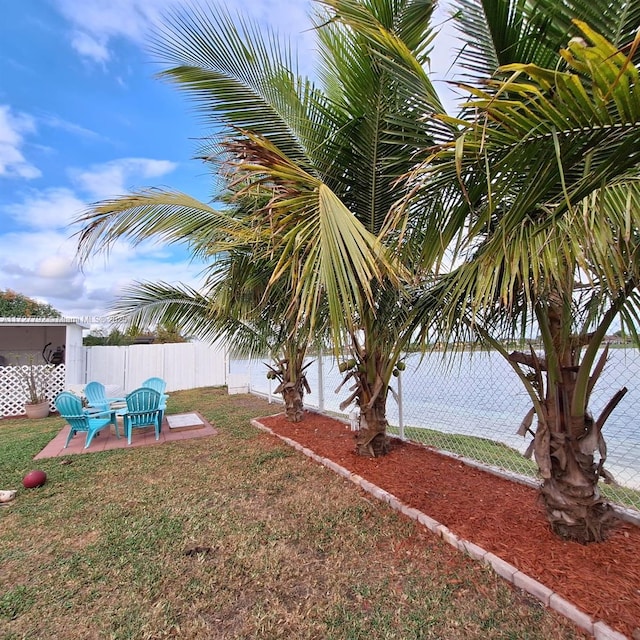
[96,396]
[79,419]
[159,385]
[143,410]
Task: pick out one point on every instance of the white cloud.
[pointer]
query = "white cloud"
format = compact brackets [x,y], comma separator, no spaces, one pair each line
[50,273]
[40,264]
[13,126]
[114,178]
[39,258]
[56,122]
[57,207]
[56,267]
[48,209]
[103,283]
[95,23]
[91,47]
[104,19]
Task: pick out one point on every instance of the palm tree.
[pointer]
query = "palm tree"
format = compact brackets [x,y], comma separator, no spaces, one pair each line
[261,319]
[327,158]
[372,121]
[235,303]
[549,208]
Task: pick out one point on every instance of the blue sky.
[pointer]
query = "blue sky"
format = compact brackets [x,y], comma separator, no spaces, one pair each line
[83,118]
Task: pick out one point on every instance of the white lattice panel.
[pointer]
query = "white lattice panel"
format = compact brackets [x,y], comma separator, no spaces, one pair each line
[13,394]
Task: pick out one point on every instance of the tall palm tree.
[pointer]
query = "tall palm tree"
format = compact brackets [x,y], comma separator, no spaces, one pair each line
[327,157]
[372,120]
[548,183]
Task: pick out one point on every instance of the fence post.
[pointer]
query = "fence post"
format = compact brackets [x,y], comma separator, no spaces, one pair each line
[400,416]
[320,382]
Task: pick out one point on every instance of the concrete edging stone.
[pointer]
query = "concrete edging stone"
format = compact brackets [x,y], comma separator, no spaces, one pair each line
[596,628]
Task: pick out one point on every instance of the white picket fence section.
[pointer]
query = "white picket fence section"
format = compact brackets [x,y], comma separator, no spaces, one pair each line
[187,365]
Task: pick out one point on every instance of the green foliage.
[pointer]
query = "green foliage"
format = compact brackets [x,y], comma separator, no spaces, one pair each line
[134,335]
[17,305]
[115,338]
[169,332]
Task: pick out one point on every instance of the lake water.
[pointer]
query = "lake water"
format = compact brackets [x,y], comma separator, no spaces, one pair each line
[480,395]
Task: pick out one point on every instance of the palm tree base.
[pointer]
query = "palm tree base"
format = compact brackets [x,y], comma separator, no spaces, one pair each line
[293,404]
[577,518]
[371,444]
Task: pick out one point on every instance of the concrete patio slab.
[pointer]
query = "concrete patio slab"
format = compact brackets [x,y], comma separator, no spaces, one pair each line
[193,425]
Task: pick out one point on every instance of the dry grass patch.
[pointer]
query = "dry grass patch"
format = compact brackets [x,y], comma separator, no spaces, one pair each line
[233,536]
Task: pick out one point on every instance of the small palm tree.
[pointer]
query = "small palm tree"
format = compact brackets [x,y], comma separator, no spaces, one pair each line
[236,304]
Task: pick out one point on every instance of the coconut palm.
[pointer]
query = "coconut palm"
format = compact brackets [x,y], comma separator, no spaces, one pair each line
[261,319]
[549,204]
[327,157]
[372,120]
[235,303]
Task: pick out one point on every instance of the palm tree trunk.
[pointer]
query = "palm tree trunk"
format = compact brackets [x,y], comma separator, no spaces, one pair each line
[574,506]
[292,394]
[293,382]
[372,438]
[570,493]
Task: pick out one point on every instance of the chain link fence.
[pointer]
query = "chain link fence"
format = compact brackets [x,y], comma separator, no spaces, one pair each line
[472,405]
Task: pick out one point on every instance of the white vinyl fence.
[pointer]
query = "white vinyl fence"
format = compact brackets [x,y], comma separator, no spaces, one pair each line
[187,365]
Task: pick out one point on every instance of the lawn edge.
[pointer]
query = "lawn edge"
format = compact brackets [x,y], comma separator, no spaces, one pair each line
[549,598]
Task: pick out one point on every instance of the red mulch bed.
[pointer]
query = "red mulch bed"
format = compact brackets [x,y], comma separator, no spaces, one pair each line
[499,515]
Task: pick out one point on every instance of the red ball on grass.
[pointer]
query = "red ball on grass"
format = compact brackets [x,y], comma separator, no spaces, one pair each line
[34,479]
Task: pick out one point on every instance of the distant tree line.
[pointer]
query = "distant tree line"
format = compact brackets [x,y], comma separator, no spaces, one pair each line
[135,335]
[17,305]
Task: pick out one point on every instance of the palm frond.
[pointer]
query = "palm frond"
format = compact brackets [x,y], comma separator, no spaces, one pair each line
[501,32]
[159,214]
[543,141]
[319,243]
[241,76]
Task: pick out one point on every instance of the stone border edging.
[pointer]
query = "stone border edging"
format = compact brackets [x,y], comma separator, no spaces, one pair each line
[598,629]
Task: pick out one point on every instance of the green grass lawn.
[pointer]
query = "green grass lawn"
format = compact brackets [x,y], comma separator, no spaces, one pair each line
[232,536]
